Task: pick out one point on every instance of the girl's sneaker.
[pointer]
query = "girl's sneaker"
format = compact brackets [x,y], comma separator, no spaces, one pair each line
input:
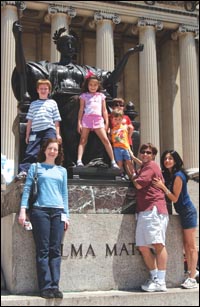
[189,283]
[114,165]
[80,164]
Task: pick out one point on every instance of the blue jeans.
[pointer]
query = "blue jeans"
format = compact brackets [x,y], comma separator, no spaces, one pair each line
[33,147]
[47,232]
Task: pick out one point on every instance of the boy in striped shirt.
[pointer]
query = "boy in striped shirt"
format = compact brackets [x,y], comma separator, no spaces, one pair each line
[43,123]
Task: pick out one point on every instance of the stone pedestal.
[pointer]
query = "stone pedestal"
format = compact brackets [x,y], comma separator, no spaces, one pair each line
[98,250]
[98,253]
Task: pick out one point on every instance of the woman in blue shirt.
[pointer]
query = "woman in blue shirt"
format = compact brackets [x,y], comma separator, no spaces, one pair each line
[175,188]
[49,216]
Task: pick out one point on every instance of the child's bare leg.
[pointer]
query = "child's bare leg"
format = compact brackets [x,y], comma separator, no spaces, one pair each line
[129,168]
[120,164]
[101,133]
[82,143]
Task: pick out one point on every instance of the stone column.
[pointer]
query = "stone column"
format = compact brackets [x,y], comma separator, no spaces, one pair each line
[189,96]
[8,101]
[104,40]
[60,18]
[149,109]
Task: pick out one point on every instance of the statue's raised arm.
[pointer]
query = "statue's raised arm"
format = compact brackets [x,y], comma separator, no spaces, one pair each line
[20,64]
[115,75]
[25,74]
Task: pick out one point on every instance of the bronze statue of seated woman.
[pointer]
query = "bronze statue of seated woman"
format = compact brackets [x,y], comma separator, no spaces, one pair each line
[66,78]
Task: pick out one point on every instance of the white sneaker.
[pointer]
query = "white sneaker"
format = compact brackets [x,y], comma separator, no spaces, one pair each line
[80,164]
[147,282]
[127,177]
[189,283]
[154,286]
[123,178]
[21,175]
[187,274]
[114,165]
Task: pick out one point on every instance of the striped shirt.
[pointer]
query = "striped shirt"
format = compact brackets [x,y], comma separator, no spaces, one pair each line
[43,114]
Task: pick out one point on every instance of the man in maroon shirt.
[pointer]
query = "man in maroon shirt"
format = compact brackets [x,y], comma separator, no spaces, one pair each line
[152,220]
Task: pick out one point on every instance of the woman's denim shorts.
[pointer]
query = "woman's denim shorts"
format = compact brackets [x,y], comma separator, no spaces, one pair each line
[188,217]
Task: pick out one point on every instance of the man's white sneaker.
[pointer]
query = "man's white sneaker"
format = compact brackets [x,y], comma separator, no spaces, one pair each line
[147,282]
[154,286]
[189,283]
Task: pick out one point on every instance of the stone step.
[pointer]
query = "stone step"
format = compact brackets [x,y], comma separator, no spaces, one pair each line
[173,297]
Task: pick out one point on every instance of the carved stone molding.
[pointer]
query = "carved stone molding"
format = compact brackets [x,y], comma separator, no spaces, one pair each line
[188,28]
[182,29]
[99,16]
[4,3]
[189,6]
[19,4]
[54,9]
[144,22]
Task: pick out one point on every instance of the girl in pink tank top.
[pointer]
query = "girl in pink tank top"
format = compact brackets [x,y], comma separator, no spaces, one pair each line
[93,116]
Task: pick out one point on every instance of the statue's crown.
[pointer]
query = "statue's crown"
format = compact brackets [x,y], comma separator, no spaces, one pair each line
[58,33]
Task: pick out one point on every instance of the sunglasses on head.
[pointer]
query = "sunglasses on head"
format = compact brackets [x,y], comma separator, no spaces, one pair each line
[146,151]
[118,104]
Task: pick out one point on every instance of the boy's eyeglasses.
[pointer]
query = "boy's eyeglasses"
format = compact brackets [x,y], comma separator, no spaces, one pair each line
[146,151]
[117,104]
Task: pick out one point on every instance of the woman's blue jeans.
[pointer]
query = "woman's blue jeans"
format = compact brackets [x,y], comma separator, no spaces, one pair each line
[47,232]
